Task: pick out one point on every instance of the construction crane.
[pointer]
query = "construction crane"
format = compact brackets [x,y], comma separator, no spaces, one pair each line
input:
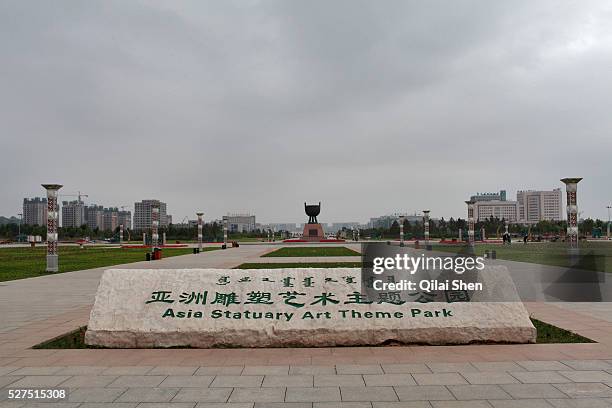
[78,195]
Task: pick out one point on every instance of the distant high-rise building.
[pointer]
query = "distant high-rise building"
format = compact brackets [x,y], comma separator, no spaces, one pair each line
[94,215]
[107,219]
[241,222]
[111,219]
[73,214]
[142,214]
[35,211]
[535,206]
[125,219]
[502,209]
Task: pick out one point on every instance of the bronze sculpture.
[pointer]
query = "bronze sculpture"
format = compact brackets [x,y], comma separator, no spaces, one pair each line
[312,211]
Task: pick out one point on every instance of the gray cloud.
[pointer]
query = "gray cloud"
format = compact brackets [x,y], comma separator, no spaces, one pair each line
[367,106]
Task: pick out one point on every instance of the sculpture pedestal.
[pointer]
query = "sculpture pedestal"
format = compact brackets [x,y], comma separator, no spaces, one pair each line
[313,232]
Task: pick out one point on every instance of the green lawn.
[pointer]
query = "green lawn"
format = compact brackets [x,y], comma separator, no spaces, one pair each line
[596,256]
[547,333]
[312,251]
[255,265]
[20,263]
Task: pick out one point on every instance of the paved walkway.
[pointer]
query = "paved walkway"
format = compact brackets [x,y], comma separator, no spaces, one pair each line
[31,300]
[540,375]
[486,384]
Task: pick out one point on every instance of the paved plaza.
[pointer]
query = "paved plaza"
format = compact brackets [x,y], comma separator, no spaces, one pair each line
[534,375]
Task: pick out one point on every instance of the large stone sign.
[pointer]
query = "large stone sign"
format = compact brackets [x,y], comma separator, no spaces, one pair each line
[289,307]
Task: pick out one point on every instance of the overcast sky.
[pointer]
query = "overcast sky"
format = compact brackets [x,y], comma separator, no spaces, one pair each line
[368,106]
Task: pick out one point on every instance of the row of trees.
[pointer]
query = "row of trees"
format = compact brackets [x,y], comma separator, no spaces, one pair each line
[494,227]
[210,232]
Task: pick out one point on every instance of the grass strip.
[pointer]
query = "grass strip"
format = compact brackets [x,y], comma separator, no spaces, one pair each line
[300,251]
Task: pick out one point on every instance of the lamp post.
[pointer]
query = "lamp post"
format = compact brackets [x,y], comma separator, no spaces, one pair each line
[426,227]
[155,226]
[200,215]
[120,234]
[608,232]
[470,220]
[401,228]
[225,221]
[52,221]
[506,233]
[571,188]
[21,220]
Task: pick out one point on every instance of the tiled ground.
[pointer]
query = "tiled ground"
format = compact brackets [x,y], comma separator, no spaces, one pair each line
[565,383]
[541,375]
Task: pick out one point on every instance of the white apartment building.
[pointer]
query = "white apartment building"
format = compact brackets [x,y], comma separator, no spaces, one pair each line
[35,211]
[94,215]
[535,206]
[142,214]
[107,219]
[111,219]
[241,222]
[125,219]
[506,210]
[73,214]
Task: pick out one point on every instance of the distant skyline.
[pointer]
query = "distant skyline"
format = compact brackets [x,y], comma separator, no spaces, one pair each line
[368,107]
[511,196]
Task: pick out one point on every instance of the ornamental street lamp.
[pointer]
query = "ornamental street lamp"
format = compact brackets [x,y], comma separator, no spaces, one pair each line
[608,233]
[470,220]
[52,221]
[426,226]
[225,221]
[401,228]
[21,219]
[155,226]
[571,187]
[200,215]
